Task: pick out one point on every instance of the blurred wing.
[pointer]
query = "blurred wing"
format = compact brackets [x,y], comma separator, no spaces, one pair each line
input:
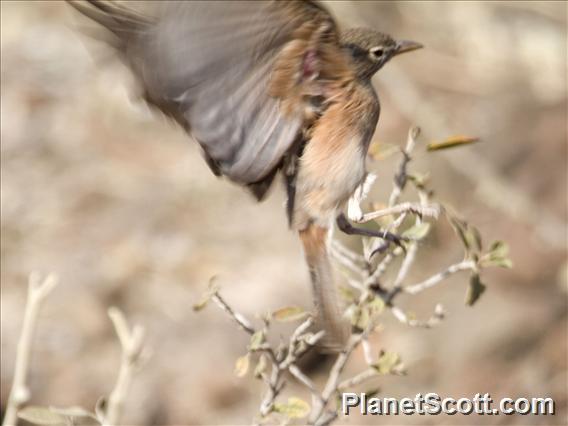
[240,75]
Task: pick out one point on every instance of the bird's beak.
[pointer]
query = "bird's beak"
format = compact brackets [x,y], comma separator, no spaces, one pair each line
[403,46]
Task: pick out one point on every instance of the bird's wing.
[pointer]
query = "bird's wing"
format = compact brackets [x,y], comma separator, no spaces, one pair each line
[240,75]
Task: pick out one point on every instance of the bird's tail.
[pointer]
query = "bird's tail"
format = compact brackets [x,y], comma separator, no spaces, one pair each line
[329,317]
[121,21]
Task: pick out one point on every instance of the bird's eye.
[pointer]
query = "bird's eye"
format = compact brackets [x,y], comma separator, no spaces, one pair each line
[377,52]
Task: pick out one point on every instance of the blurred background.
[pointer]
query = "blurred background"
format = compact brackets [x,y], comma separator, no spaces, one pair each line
[118,202]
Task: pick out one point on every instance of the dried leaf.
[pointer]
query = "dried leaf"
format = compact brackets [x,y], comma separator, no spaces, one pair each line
[41,416]
[242,365]
[474,290]
[295,408]
[417,232]
[451,142]
[288,314]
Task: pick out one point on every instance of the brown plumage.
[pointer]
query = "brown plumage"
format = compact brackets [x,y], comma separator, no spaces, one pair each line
[266,87]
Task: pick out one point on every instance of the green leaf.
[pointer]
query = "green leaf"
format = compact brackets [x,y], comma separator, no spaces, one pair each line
[497,256]
[100,409]
[499,262]
[474,291]
[419,179]
[260,367]
[474,238]
[288,314]
[211,290]
[256,340]
[360,317]
[382,150]
[295,408]
[73,411]
[417,232]
[347,294]
[376,306]
[387,362]
[242,365]
[460,229]
[451,142]
[372,393]
[202,303]
[77,415]
[498,249]
[41,416]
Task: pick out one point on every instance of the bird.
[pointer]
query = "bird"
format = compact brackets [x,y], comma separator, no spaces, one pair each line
[267,88]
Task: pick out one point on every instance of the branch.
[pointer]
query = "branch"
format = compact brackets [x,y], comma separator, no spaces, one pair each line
[240,319]
[38,290]
[401,176]
[432,210]
[131,342]
[437,278]
[435,319]
[358,379]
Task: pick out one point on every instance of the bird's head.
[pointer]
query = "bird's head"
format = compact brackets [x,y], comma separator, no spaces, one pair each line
[371,49]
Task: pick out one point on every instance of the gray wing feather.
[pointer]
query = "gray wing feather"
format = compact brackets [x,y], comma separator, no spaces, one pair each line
[213,60]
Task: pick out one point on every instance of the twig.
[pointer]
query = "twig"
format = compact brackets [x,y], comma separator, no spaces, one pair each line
[346,260]
[240,320]
[437,278]
[415,208]
[305,380]
[333,378]
[38,290]
[131,342]
[401,176]
[357,379]
[435,319]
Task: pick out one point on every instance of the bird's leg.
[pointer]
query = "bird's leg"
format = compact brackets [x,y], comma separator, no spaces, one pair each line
[345,226]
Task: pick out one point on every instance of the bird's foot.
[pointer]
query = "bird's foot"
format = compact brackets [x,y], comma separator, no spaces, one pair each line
[388,237]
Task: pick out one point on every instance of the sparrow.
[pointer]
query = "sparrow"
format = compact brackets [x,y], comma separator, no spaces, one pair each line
[267,88]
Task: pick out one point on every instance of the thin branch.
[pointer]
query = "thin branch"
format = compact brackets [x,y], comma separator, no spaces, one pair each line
[333,377]
[358,379]
[401,176]
[432,210]
[348,253]
[437,278]
[346,261]
[434,320]
[305,380]
[131,342]
[38,290]
[240,319]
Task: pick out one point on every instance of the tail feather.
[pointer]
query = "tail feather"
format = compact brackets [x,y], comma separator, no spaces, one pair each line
[325,295]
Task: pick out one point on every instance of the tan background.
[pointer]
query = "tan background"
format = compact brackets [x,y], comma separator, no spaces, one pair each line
[118,202]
